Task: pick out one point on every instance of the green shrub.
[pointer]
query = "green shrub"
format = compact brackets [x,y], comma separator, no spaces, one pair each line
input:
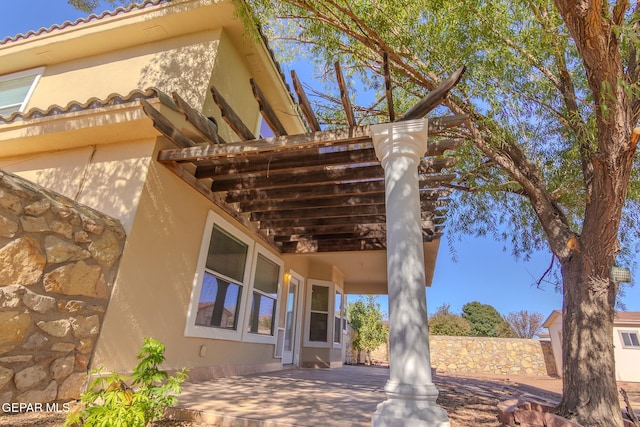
[111,402]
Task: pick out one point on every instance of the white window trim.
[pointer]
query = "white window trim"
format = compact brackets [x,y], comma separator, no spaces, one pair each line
[254,337]
[37,72]
[193,330]
[337,290]
[629,331]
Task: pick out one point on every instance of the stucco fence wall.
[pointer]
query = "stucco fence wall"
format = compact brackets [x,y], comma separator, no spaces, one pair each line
[479,355]
[58,262]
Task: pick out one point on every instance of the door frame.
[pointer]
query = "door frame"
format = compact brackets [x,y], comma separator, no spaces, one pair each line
[298,316]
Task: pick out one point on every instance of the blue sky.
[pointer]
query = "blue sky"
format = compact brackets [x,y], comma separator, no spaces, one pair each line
[483,272]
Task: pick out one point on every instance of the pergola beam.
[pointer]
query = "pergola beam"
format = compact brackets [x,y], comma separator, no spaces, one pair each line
[266,110]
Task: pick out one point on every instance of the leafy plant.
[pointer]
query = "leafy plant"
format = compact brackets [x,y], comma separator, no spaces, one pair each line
[110,401]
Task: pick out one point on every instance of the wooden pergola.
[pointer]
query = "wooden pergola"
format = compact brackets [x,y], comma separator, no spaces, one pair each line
[321,191]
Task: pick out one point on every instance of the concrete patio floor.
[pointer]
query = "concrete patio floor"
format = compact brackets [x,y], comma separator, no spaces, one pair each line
[339,397]
[293,397]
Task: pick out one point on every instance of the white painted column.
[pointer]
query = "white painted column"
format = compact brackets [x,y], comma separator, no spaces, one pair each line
[411,394]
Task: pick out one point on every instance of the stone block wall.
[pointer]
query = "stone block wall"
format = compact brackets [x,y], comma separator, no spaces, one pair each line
[480,355]
[58,262]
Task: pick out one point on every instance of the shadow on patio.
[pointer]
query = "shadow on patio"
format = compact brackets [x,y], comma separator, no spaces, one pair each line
[345,396]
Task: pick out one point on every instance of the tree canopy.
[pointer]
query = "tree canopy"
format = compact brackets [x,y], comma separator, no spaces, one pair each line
[485,321]
[365,317]
[443,322]
[553,96]
[525,324]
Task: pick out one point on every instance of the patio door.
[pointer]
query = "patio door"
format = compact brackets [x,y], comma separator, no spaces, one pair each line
[292,321]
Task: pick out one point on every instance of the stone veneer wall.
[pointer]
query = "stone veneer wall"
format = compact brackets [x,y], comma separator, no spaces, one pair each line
[58,262]
[478,355]
[481,355]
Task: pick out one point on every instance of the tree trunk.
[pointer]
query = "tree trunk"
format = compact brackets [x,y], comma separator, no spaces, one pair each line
[588,365]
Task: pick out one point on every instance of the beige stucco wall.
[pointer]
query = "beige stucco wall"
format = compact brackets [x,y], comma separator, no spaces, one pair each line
[152,301]
[108,178]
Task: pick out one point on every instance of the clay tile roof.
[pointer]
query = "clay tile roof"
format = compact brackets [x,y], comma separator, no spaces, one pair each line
[92,17]
[73,106]
[627,317]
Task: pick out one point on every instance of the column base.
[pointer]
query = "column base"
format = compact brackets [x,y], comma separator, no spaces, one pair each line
[410,406]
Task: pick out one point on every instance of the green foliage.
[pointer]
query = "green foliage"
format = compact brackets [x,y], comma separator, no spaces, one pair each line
[485,321]
[443,322]
[91,5]
[365,318]
[110,401]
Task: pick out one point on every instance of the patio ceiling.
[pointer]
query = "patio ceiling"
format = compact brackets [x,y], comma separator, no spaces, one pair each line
[321,191]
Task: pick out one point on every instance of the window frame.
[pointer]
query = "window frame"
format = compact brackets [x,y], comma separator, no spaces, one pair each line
[333,287]
[37,73]
[253,337]
[630,332]
[198,331]
[338,312]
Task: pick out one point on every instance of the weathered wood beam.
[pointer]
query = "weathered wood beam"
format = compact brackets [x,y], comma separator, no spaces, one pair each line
[313,222]
[329,201]
[279,163]
[439,146]
[339,211]
[305,192]
[325,138]
[387,86]
[438,217]
[336,137]
[268,113]
[165,126]
[304,104]
[298,177]
[338,236]
[229,115]
[326,190]
[344,96]
[434,98]
[436,164]
[326,229]
[280,233]
[202,125]
[312,246]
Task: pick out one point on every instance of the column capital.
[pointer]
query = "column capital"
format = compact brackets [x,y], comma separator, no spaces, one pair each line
[407,138]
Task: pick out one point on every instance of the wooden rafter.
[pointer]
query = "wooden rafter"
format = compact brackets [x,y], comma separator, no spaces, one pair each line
[387,86]
[201,124]
[434,98]
[344,96]
[267,112]
[165,126]
[230,116]
[314,192]
[305,106]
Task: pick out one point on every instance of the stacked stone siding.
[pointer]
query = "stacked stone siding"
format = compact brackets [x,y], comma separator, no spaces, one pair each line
[58,263]
[478,355]
[482,355]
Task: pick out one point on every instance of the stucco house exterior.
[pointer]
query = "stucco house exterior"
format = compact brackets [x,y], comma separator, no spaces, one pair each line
[626,342]
[237,250]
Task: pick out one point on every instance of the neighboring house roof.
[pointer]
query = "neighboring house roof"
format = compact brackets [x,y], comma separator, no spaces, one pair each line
[621,318]
[67,24]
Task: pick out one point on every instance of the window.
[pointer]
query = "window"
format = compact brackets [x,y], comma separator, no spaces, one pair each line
[16,89]
[337,321]
[325,318]
[319,319]
[265,296]
[236,289]
[630,339]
